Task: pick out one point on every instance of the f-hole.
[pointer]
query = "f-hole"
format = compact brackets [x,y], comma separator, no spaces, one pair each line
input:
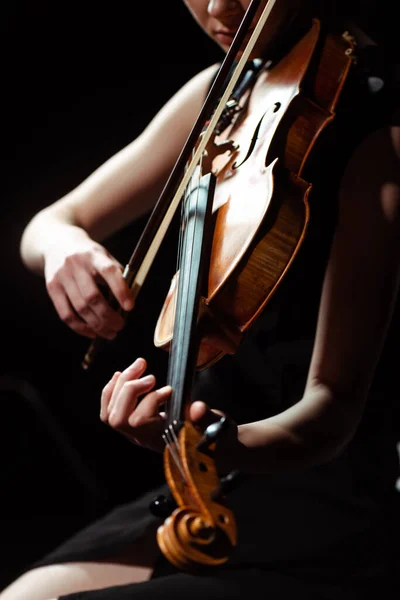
[254,138]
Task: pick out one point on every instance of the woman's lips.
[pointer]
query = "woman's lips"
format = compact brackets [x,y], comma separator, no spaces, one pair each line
[224,37]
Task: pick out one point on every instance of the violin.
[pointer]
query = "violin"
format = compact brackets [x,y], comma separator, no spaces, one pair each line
[244,216]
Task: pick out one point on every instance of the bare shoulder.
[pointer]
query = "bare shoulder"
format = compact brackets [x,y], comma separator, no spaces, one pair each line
[128,184]
[181,111]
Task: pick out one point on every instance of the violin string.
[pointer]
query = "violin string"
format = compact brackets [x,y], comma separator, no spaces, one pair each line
[184,222]
[183,263]
[169,435]
[178,270]
[175,295]
[189,252]
[169,405]
[173,435]
[175,456]
[176,444]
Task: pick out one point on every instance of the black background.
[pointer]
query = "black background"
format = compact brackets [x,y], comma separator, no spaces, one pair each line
[79,81]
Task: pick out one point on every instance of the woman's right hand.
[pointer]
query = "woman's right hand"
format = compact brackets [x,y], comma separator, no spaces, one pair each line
[74,268]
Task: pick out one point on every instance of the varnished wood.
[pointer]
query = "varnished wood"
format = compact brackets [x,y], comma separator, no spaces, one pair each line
[262,207]
[201,532]
[261,212]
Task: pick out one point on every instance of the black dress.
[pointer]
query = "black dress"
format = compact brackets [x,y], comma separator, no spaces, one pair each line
[325,532]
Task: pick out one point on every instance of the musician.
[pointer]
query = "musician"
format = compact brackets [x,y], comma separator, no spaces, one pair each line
[309,391]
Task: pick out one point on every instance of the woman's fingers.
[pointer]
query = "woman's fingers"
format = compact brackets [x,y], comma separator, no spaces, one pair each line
[126,400]
[141,422]
[146,424]
[106,396]
[73,286]
[203,416]
[83,307]
[66,312]
[227,441]
[149,407]
[93,307]
[134,371]
[111,273]
[85,301]
[107,321]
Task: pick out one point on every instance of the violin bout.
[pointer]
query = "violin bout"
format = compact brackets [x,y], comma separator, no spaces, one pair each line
[261,198]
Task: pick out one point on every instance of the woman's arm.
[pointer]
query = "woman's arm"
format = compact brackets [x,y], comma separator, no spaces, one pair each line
[125,186]
[62,241]
[359,291]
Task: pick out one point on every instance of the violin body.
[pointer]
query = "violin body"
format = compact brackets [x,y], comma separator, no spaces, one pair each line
[261,205]
[259,210]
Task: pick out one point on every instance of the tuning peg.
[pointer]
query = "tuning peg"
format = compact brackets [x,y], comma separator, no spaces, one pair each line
[213,432]
[227,484]
[162,506]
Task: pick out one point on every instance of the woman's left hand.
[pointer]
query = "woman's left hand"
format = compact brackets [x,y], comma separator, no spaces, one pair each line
[131,405]
[140,421]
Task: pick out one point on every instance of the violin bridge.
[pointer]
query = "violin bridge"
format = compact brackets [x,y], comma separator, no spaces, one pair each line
[217,149]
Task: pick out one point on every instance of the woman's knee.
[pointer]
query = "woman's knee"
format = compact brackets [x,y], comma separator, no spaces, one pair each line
[53,581]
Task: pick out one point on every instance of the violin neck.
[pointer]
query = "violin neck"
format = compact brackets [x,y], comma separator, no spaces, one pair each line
[194,253]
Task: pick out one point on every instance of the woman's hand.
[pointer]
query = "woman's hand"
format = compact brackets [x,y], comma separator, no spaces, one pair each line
[74,268]
[143,422]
